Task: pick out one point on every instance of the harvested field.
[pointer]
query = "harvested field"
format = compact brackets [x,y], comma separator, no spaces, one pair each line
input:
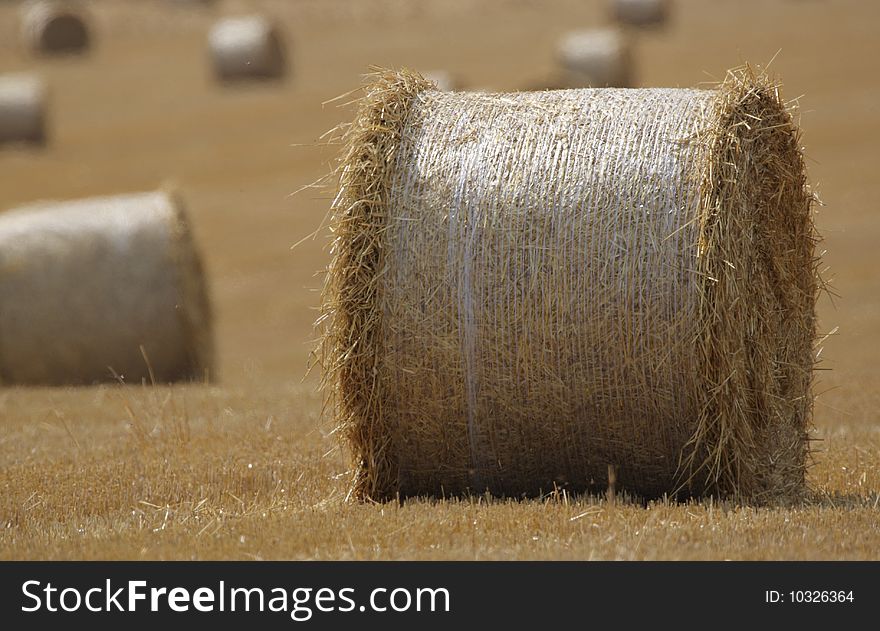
[243,468]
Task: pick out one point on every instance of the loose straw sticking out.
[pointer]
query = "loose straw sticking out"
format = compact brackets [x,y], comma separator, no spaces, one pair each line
[247,47]
[528,291]
[53,28]
[86,285]
[756,254]
[351,347]
[22,109]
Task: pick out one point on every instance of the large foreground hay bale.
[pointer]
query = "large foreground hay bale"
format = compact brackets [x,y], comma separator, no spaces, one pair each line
[640,12]
[530,290]
[246,47]
[22,109]
[84,285]
[595,58]
[53,28]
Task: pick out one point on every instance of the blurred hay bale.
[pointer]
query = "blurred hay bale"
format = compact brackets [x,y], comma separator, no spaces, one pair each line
[444,80]
[84,285]
[530,290]
[248,47]
[54,28]
[22,109]
[199,4]
[595,58]
[640,12]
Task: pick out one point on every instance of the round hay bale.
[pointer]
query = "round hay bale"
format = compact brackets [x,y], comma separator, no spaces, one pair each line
[22,109]
[640,12]
[595,58]
[102,285]
[54,28]
[529,291]
[247,47]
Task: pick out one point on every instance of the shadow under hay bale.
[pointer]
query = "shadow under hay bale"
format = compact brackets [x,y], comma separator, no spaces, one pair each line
[22,109]
[563,284]
[54,28]
[94,286]
[643,13]
[595,58]
[247,48]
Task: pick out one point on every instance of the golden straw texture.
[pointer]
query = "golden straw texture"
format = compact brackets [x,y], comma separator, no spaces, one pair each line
[529,291]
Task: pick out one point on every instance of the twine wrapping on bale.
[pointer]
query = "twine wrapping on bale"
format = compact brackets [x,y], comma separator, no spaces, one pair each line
[102,285]
[640,12]
[246,48]
[50,28]
[530,290]
[595,58]
[22,109]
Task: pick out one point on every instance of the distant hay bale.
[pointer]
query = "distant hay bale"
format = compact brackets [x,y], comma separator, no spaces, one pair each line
[54,28]
[22,109]
[247,47]
[444,80]
[595,58]
[84,285]
[531,290]
[194,3]
[640,12]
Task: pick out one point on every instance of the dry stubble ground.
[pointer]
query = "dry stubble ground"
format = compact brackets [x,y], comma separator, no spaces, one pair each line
[243,468]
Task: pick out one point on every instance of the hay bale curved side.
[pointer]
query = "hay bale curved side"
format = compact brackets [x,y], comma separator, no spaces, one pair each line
[595,58]
[641,12]
[53,28]
[527,288]
[22,109]
[85,284]
[351,348]
[247,47]
[756,253]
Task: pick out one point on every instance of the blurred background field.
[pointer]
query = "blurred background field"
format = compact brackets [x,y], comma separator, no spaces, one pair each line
[243,468]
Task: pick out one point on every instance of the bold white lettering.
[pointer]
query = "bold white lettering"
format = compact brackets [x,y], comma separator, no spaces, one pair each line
[433,593]
[281,599]
[343,596]
[300,598]
[112,599]
[155,592]
[400,590]
[178,599]
[134,595]
[94,590]
[203,599]
[78,599]
[36,599]
[48,591]
[247,595]
[323,595]
[373,599]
